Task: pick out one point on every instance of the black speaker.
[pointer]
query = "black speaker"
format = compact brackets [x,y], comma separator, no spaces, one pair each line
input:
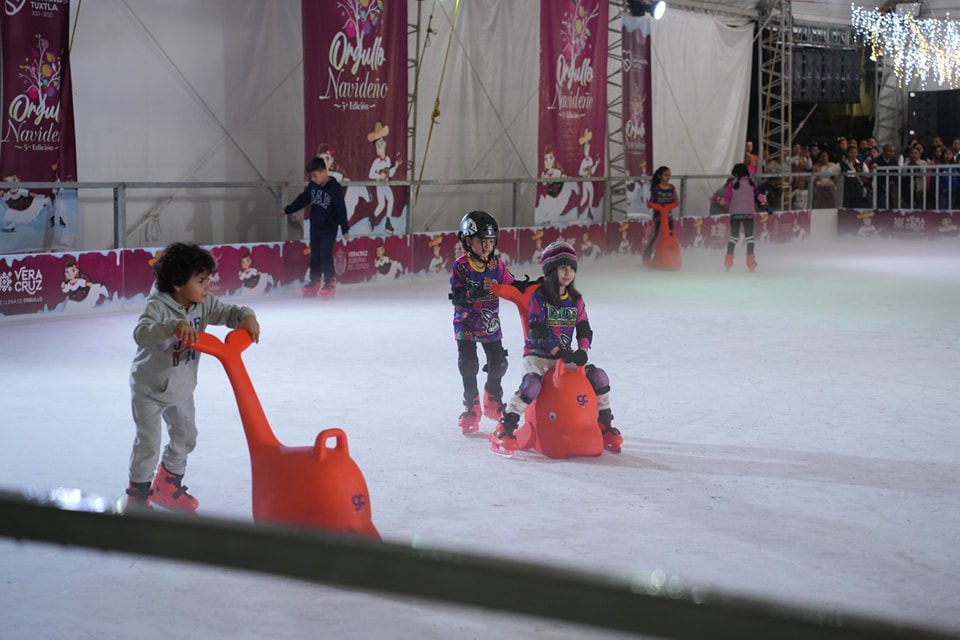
[826,75]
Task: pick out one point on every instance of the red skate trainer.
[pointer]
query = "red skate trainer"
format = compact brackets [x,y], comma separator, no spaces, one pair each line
[612,439]
[168,492]
[470,418]
[492,406]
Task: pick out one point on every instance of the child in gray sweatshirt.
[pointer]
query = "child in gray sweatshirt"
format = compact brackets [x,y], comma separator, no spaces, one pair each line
[164,372]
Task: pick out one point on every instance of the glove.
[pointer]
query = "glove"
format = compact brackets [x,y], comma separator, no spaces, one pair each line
[578,357]
[521,285]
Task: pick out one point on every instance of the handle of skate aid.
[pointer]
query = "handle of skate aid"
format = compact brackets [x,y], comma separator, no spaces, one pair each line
[664,208]
[320,445]
[236,341]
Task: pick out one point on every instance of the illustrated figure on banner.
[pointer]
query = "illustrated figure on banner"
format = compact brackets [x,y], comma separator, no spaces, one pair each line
[252,280]
[867,228]
[438,263]
[947,228]
[588,249]
[764,231]
[382,169]
[22,207]
[799,233]
[386,267]
[537,246]
[81,293]
[352,194]
[554,199]
[698,240]
[625,245]
[588,166]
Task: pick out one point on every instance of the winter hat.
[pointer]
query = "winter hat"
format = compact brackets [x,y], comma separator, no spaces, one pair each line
[557,254]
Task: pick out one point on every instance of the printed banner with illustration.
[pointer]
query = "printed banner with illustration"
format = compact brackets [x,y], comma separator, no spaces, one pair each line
[637,110]
[38,142]
[899,224]
[93,281]
[355,103]
[573,108]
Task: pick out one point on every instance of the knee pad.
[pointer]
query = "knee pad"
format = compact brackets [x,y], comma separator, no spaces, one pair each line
[598,379]
[496,363]
[530,387]
[467,361]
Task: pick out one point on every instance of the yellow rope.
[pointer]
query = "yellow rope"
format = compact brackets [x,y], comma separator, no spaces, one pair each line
[73,32]
[436,103]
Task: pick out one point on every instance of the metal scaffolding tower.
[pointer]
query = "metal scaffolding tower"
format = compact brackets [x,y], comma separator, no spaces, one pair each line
[615,198]
[775,82]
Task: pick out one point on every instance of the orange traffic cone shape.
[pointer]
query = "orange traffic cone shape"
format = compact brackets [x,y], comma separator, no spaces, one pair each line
[666,250]
[562,421]
[317,486]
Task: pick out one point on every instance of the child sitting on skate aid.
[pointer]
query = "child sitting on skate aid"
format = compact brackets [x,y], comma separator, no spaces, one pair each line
[556,314]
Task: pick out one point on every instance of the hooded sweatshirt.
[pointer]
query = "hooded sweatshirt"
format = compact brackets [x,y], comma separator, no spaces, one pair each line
[165,369]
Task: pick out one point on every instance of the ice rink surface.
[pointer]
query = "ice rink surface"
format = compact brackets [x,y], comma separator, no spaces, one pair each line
[789,434]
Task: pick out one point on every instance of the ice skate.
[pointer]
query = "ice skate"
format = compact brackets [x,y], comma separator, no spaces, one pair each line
[311,289]
[168,492]
[728,261]
[470,418]
[612,440]
[138,495]
[751,262]
[503,440]
[329,290]
[492,405]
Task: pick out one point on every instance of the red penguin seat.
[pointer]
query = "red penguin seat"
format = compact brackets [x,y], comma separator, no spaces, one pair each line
[666,250]
[562,421]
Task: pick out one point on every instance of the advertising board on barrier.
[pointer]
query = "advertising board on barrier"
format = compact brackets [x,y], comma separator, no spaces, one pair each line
[80,282]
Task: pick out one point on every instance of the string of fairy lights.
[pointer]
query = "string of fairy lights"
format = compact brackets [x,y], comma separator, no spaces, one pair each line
[927,49]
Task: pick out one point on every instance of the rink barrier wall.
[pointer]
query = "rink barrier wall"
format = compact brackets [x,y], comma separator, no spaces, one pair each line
[50,284]
[649,603]
[53,284]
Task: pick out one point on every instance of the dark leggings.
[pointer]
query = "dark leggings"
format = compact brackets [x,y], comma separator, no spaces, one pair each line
[321,257]
[736,221]
[469,366]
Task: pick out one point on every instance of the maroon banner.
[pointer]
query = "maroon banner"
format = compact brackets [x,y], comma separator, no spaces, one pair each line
[907,225]
[573,103]
[637,109]
[38,142]
[355,103]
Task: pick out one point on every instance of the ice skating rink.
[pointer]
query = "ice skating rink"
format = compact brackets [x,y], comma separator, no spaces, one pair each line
[790,434]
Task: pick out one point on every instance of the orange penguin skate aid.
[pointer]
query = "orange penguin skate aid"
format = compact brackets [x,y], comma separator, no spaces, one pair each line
[317,486]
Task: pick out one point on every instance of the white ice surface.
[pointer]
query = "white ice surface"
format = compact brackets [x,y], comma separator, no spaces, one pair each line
[790,434]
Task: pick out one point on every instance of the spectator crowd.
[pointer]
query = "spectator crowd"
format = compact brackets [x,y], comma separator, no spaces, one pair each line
[858,174]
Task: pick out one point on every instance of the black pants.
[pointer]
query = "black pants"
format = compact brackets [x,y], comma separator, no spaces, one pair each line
[469,366]
[737,221]
[321,257]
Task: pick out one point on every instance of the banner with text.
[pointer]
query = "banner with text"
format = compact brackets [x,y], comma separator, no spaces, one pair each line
[573,105]
[355,103]
[38,142]
[637,109]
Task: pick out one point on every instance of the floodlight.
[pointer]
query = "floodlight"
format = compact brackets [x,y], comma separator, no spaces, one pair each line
[654,9]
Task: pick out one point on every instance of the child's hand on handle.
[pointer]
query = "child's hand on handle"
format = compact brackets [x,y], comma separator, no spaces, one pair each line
[488,283]
[578,357]
[252,326]
[185,332]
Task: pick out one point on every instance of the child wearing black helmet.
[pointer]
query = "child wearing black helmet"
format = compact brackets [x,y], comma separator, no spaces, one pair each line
[558,329]
[476,316]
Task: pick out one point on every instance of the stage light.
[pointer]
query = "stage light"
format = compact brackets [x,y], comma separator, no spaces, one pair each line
[654,9]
